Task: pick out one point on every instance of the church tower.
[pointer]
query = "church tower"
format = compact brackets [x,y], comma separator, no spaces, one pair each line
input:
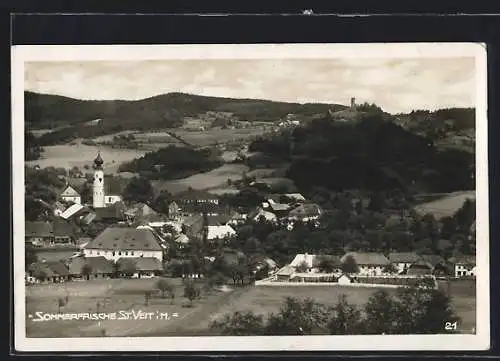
[98,196]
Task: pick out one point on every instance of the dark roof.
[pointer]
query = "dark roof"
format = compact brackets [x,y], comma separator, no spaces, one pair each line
[403,257]
[367,258]
[421,264]
[38,229]
[195,194]
[62,228]
[125,238]
[140,264]
[112,212]
[98,265]
[50,269]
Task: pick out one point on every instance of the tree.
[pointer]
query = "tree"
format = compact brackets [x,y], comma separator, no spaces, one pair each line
[61,302]
[239,324]
[345,318]
[379,311]
[390,268]
[139,190]
[161,202]
[298,317]
[327,265]
[30,256]
[164,286]
[86,271]
[302,267]
[349,265]
[191,292]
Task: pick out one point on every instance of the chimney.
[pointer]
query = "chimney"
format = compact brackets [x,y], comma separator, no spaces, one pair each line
[353,103]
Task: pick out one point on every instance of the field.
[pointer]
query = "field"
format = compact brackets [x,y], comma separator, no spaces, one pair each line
[447,205]
[213,179]
[212,136]
[117,295]
[68,156]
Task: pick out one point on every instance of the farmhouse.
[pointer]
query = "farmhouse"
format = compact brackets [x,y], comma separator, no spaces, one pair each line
[262,214]
[305,212]
[403,260]
[439,266]
[420,268]
[70,195]
[90,267]
[38,233]
[464,266]
[47,271]
[64,232]
[369,263]
[139,267]
[316,263]
[122,242]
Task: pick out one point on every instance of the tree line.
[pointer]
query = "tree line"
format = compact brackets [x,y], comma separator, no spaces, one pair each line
[409,310]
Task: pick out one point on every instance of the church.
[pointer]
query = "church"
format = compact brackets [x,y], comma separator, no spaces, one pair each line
[99,198]
[102,196]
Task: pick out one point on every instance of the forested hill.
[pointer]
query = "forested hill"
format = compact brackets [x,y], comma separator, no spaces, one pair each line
[44,111]
[372,153]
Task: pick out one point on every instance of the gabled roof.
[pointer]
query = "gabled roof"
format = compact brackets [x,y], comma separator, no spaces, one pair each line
[421,264]
[218,220]
[69,191]
[139,264]
[403,257]
[140,209]
[332,258]
[71,211]
[38,229]
[98,265]
[63,228]
[367,258]
[182,238]
[220,231]
[113,212]
[306,210]
[49,269]
[125,238]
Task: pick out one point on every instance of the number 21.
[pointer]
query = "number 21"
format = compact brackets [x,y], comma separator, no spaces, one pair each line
[450,326]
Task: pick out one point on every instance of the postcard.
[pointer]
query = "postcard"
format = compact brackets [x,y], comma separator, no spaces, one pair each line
[271,197]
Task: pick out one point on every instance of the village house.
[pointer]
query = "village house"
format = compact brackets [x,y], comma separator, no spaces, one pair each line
[195,196]
[311,263]
[464,266]
[38,233]
[64,232]
[279,209]
[261,214]
[91,267]
[122,242]
[305,212]
[403,260]
[182,240]
[42,271]
[369,263]
[140,211]
[439,266]
[193,225]
[219,232]
[139,267]
[70,195]
[420,268]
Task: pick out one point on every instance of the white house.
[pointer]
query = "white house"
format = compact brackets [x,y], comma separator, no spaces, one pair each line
[111,199]
[121,242]
[220,232]
[268,216]
[464,266]
[71,195]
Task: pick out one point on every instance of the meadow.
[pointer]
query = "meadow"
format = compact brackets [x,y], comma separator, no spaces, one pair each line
[117,295]
[79,155]
[215,178]
[446,206]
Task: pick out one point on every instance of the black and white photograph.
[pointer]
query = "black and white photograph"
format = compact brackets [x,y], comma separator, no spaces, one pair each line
[250,197]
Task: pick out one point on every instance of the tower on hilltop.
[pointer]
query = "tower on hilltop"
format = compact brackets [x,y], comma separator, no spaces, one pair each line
[98,187]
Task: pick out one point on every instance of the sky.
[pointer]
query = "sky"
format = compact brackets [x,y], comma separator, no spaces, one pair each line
[396,85]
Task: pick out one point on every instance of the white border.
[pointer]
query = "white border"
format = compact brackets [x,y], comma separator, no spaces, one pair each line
[480,341]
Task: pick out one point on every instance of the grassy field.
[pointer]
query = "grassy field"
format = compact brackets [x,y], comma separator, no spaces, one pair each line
[212,136]
[213,179]
[447,205]
[127,295]
[68,156]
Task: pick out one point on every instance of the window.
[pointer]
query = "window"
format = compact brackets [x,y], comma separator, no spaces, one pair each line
[126,253]
[98,253]
[119,253]
[132,253]
[113,253]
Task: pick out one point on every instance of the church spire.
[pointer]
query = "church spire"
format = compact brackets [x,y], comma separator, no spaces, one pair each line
[98,162]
